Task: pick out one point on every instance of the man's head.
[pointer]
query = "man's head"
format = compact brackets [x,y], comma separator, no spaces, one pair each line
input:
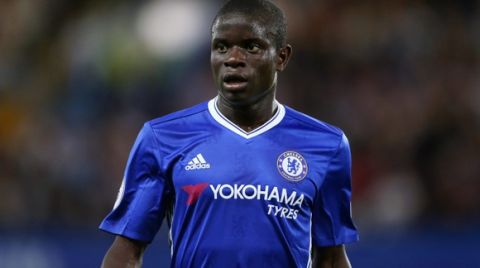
[248,50]
[264,11]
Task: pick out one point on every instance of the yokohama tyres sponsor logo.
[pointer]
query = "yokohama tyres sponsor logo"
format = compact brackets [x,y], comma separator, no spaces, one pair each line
[286,204]
[258,192]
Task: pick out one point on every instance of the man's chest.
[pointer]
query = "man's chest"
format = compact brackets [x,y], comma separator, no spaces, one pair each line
[280,176]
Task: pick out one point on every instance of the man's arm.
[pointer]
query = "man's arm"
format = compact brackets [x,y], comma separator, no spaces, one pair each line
[124,253]
[330,257]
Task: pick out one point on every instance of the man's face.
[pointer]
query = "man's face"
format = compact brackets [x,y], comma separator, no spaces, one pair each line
[244,59]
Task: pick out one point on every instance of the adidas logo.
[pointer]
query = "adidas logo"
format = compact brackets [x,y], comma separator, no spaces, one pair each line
[198,162]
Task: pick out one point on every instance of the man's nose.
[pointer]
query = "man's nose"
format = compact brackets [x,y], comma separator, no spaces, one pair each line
[236,58]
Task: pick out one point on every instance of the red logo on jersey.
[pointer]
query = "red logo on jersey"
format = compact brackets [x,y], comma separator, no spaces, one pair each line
[194,192]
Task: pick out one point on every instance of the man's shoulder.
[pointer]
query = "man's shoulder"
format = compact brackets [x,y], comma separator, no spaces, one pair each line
[180,115]
[308,122]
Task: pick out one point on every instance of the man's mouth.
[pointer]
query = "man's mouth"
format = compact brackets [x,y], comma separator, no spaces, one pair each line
[234,82]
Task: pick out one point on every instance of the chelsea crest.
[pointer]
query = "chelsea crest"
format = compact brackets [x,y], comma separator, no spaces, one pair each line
[292,166]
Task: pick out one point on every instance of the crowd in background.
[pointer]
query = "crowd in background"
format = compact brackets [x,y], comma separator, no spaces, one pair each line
[78,79]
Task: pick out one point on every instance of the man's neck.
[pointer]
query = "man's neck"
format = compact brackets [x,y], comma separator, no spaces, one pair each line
[251,116]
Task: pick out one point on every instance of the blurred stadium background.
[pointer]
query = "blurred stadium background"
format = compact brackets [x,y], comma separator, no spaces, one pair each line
[402,78]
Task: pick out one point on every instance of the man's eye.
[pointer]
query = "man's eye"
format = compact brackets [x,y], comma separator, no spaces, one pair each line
[221,48]
[253,48]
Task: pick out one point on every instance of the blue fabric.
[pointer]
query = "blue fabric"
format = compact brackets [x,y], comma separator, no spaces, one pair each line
[237,200]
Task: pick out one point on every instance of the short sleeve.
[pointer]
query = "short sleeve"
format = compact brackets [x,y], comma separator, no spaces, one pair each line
[143,196]
[332,222]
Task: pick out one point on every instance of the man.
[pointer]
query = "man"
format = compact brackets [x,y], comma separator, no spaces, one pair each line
[242,180]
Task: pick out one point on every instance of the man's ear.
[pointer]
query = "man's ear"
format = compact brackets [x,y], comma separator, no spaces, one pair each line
[283,57]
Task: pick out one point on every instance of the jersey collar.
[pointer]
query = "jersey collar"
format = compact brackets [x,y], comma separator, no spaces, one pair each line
[222,120]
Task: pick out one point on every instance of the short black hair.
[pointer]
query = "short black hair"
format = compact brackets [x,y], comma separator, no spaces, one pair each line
[263,10]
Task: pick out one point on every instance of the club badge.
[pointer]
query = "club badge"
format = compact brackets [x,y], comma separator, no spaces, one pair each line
[292,166]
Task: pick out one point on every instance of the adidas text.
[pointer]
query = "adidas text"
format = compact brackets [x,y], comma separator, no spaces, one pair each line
[197,166]
[198,162]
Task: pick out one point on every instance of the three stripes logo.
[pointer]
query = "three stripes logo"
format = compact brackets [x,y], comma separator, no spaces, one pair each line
[198,162]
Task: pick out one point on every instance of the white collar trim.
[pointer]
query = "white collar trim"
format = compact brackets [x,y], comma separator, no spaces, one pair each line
[222,120]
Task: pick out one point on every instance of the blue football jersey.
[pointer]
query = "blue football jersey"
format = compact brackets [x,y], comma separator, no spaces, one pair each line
[234,198]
